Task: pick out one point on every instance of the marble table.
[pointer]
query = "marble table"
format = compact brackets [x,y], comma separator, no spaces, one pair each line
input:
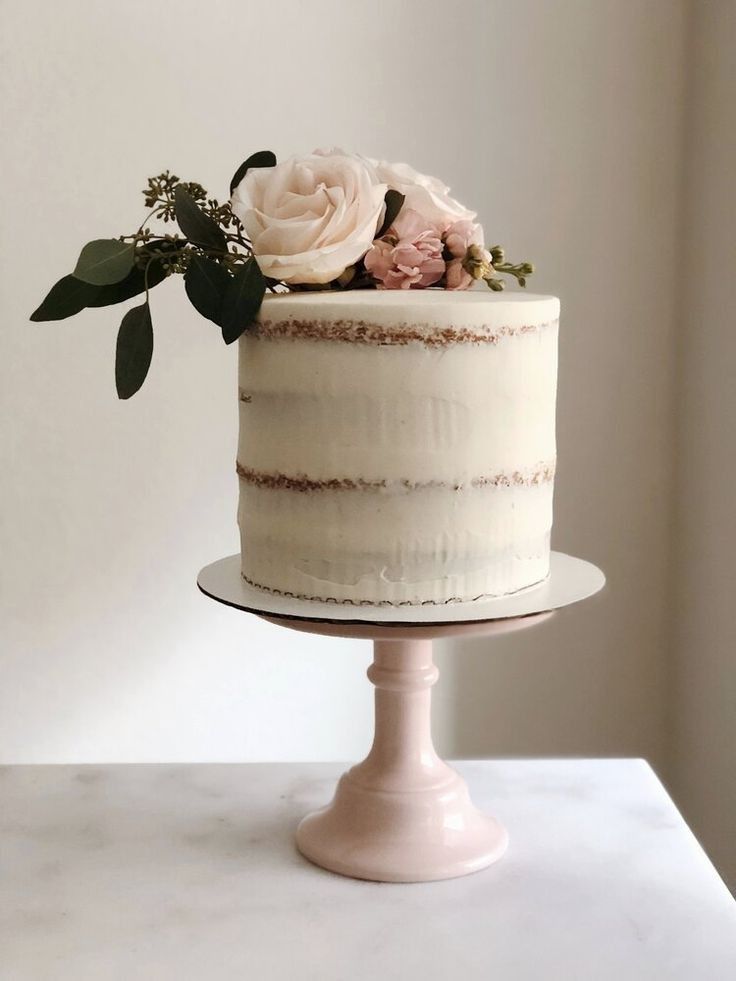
[190,872]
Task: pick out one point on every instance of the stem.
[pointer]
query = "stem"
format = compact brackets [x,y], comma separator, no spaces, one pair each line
[239,240]
[230,257]
[520,270]
[145,276]
[145,221]
[162,255]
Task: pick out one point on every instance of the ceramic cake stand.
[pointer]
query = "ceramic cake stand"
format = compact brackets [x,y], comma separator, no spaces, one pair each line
[403,815]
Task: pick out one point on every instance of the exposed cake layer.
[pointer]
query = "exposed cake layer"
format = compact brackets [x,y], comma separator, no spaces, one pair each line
[398,446]
[354,313]
[433,544]
[386,412]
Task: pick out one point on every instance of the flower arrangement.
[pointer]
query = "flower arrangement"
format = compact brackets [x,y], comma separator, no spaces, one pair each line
[326,221]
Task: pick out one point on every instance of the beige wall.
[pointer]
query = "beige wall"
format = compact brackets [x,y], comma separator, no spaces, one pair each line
[703,705]
[600,139]
[562,122]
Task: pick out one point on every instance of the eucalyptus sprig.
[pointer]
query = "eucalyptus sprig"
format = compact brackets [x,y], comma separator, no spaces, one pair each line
[221,276]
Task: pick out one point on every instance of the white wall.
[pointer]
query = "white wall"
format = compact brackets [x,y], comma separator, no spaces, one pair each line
[561,122]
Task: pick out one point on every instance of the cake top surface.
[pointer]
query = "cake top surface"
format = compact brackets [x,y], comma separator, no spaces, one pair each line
[429,307]
[407,298]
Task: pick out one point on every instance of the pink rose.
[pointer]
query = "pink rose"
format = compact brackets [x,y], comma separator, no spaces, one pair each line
[410,255]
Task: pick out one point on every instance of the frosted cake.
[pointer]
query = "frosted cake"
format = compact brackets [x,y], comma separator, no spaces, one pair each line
[397,408]
[397,447]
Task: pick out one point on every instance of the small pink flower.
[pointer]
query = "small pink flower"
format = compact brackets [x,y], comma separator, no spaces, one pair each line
[461,235]
[457,277]
[409,255]
[464,239]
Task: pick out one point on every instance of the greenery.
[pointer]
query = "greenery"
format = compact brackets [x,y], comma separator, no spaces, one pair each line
[211,250]
[221,277]
[394,202]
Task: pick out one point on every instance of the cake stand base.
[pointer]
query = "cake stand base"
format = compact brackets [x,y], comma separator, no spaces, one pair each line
[403,815]
[370,834]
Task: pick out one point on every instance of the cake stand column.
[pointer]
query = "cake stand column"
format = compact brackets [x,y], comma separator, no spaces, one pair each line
[402,755]
[402,815]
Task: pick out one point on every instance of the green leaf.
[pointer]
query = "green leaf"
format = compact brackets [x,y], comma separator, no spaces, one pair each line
[263,158]
[134,350]
[206,283]
[104,261]
[133,284]
[394,203]
[64,299]
[242,300]
[198,227]
[70,295]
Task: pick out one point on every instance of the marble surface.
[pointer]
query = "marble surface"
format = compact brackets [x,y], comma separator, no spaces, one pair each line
[190,871]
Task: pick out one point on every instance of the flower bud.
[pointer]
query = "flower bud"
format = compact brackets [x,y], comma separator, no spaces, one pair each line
[477,262]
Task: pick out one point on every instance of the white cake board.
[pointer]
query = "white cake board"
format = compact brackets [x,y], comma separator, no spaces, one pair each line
[570,580]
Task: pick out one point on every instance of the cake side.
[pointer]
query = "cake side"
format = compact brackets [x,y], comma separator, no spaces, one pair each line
[380,469]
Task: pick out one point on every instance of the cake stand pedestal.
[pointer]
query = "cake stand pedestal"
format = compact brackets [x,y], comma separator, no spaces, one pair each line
[403,815]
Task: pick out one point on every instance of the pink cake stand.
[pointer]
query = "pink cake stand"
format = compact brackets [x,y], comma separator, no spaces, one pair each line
[403,815]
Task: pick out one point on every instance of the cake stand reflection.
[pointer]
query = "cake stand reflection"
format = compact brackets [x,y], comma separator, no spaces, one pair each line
[404,815]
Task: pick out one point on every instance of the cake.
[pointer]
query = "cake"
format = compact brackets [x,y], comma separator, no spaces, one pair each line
[397,408]
[398,446]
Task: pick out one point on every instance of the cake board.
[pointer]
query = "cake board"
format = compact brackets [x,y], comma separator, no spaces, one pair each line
[403,814]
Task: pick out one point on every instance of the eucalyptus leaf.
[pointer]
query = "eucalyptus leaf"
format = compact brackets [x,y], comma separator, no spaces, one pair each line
[198,227]
[206,283]
[71,295]
[104,261]
[134,350]
[394,201]
[242,300]
[64,299]
[133,285]
[262,158]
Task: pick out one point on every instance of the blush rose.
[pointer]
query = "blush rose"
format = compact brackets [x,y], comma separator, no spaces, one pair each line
[426,195]
[310,217]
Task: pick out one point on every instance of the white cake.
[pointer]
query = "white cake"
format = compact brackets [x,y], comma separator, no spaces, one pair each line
[398,446]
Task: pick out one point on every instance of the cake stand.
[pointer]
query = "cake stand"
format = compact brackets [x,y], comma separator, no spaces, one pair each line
[403,815]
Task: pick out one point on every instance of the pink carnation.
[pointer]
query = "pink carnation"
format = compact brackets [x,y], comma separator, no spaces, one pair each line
[410,255]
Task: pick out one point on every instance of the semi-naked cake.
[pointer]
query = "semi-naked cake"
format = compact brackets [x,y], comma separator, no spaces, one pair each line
[397,446]
[397,410]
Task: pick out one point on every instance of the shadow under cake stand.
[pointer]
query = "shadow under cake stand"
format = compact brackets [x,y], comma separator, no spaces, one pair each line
[404,815]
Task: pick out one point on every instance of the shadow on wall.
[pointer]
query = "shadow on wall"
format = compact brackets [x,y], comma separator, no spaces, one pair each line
[552,690]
